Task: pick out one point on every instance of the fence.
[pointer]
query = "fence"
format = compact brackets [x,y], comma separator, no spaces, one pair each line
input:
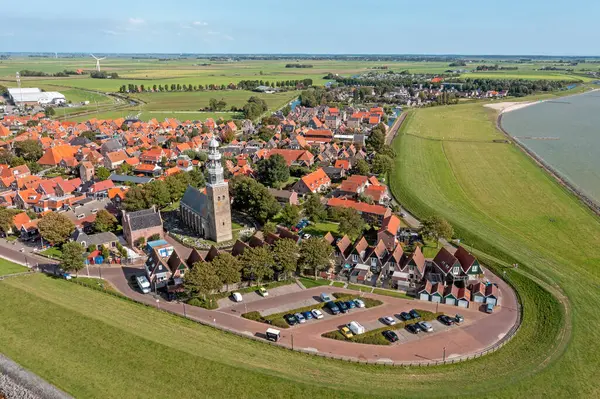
[490,349]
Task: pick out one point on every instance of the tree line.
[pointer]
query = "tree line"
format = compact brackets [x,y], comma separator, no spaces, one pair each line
[242,85]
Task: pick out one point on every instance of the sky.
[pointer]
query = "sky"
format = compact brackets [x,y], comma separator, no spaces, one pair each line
[508,27]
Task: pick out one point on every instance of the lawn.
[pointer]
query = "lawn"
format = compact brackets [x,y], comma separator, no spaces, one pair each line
[321,228]
[501,203]
[311,282]
[52,252]
[395,294]
[42,317]
[8,267]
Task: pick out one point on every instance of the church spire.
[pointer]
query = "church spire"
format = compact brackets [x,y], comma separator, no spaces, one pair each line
[214,166]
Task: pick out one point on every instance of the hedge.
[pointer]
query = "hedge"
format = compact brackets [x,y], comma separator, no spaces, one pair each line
[374,337]
[253,288]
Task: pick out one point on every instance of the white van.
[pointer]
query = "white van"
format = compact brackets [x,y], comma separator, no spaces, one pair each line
[273,334]
[143,283]
[237,297]
[356,328]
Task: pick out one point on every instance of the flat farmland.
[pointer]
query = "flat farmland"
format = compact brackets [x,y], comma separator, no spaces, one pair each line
[160,116]
[192,101]
[502,203]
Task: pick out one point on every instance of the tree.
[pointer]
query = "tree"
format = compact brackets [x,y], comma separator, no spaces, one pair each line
[125,169]
[30,150]
[49,112]
[228,269]
[88,134]
[176,186]
[273,170]
[382,164]
[136,199]
[314,209]
[362,167]
[258,263]
[140,242]
[55,227]
[376,139]
[436,228]
[105,221]
[72,257]
[197,179]
[290,215]
[159,193]
[351,223]
[285,253]
[6,219]
[202,279]
[253,198]
[269,228]
[315,254]
[102,173]
[105,253]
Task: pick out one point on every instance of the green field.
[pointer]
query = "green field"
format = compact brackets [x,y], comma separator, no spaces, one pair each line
[94,345]
[7,267]
[500,202]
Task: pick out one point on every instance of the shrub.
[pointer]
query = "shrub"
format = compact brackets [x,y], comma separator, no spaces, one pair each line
[209,303]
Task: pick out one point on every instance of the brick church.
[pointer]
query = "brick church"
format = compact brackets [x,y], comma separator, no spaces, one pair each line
[208,213]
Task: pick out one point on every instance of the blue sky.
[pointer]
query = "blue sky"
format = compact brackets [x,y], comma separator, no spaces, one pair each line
[309,26]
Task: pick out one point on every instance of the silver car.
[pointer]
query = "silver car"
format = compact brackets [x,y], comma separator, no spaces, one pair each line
[389,320]
[425,326]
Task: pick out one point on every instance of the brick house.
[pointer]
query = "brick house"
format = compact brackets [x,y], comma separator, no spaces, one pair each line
[314,182]
[144,223]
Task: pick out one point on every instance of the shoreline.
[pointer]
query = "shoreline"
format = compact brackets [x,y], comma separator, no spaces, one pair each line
[550,170]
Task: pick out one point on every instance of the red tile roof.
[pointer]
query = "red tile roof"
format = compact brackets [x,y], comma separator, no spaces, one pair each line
[361,207]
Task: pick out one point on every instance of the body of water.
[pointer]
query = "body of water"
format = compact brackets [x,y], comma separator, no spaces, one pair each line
[565,133]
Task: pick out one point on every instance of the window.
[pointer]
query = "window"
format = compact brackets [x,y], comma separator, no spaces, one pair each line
[354,258]
[474,269]
[373,261]
[455,270]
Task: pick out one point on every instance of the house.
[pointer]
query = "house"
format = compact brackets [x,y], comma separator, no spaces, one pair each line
[107,239]
[446,266]
[378,193]
[54,155]
[314,182]
[373,214]
[424,293]
[142,224]
[468,263]
[404,271]
[285,197]
[360,274]
[292,157]
[318,136]
[86,171]
[158,270]
[354,185]
[437,293]
[335,174]
[113,160]
[389,231]
[148,169]
[463,298]
[451,295]
[27,198]
[100,189]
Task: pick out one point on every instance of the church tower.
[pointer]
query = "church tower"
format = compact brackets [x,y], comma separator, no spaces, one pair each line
[217,192]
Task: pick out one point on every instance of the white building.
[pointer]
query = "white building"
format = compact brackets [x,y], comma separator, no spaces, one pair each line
[34,96]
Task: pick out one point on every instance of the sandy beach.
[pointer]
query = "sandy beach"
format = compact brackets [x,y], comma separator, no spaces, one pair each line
[508,106]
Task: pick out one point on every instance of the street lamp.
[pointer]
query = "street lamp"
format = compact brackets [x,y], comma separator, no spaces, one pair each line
[184,314]
[158,303]
[444,353]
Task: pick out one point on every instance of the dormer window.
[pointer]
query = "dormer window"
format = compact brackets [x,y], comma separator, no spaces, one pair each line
[94,210]
[80,216]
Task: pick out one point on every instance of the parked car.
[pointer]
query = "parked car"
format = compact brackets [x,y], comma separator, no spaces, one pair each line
[414,314]
[359,303]
[446,320]
[300,318]
[273,334]
[346,332]
[307,315]
[290,319]
[350,304]
[412,328]
[306,236]
[405,316]
[356,328]
[389,320]
[325,297]
[317,314]
[237,297]
[333,308]
[390,335]
[489,308]
[343,307]
[459,318]
[425,326]
[262,291]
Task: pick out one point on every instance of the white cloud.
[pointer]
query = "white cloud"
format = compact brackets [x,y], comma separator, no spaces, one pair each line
[227,37]
[200,23]
[110,32]
[7,34]
[136,21]
[213,33]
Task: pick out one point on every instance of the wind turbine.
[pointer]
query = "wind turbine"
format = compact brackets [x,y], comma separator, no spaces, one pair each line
[97,61]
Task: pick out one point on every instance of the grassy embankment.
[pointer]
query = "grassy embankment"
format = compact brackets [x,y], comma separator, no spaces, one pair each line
[502,203]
